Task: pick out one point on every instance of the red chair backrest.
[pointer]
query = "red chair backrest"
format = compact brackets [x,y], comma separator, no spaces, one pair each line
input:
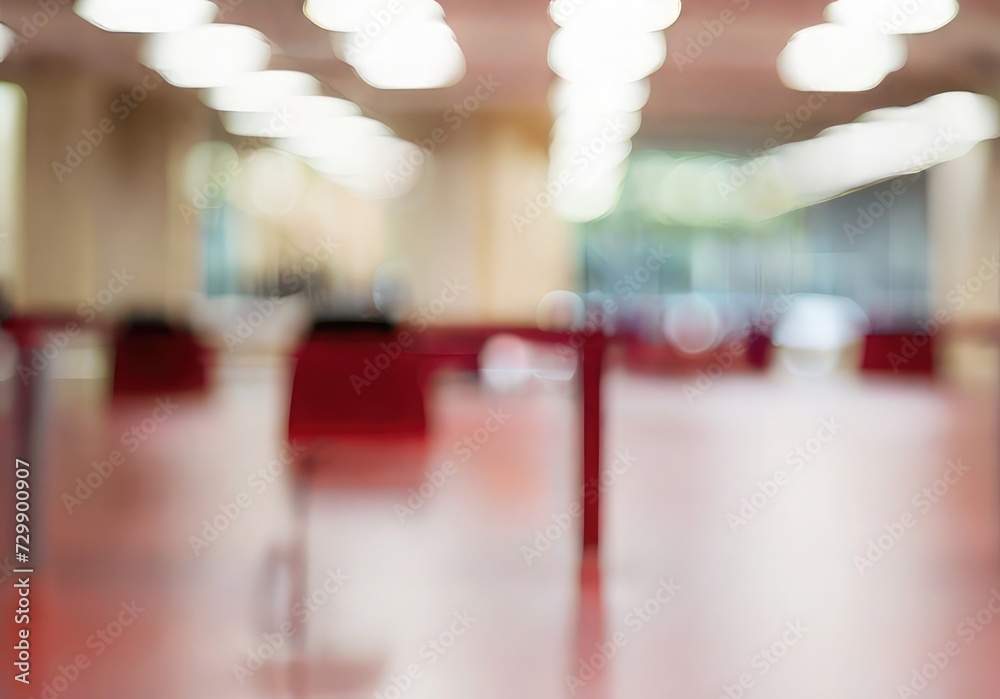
[355,380]
[900,353]
[152,358]
[37,330]
[759,349]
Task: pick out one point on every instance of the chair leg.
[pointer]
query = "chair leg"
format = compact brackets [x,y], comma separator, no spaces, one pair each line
[298,566]
[275,564]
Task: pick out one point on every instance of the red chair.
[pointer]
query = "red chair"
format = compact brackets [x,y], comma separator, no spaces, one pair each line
[459,347]
[356,393]
[900,353]
[759,349]
[356,380]
[153,357]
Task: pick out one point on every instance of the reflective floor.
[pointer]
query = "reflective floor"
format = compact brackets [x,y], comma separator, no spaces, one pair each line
[771,537]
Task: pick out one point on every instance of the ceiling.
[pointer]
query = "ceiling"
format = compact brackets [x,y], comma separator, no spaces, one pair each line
[729,97]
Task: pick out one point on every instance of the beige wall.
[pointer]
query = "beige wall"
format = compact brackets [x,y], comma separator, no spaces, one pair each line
[11,186]
[458,223]
[113,209]
[964,223]
[120,208]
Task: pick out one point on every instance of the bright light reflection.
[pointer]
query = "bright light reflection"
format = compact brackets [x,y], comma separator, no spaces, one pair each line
[336,137]
[835,58]
[7,38]
[893,16]
[263,91]
[816,330]
[369,17]
[880,145]
[206,56]
[633,15]
[597,98]
[420,56]
[582,54]
[146,16]
[295,116]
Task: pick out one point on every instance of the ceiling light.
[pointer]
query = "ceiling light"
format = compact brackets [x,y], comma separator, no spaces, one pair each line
[336,138]
[893,16]
[591,97]
[369,17]
[591,200]
[879,145]
[263,91]
[635,15]
[206,56]
[588,54]
[419,56]
[365,154]
[835,58]
[848,156]
[7,38]
[292,117]
[382,167]
[595,130]
[146,16]
[963,116]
